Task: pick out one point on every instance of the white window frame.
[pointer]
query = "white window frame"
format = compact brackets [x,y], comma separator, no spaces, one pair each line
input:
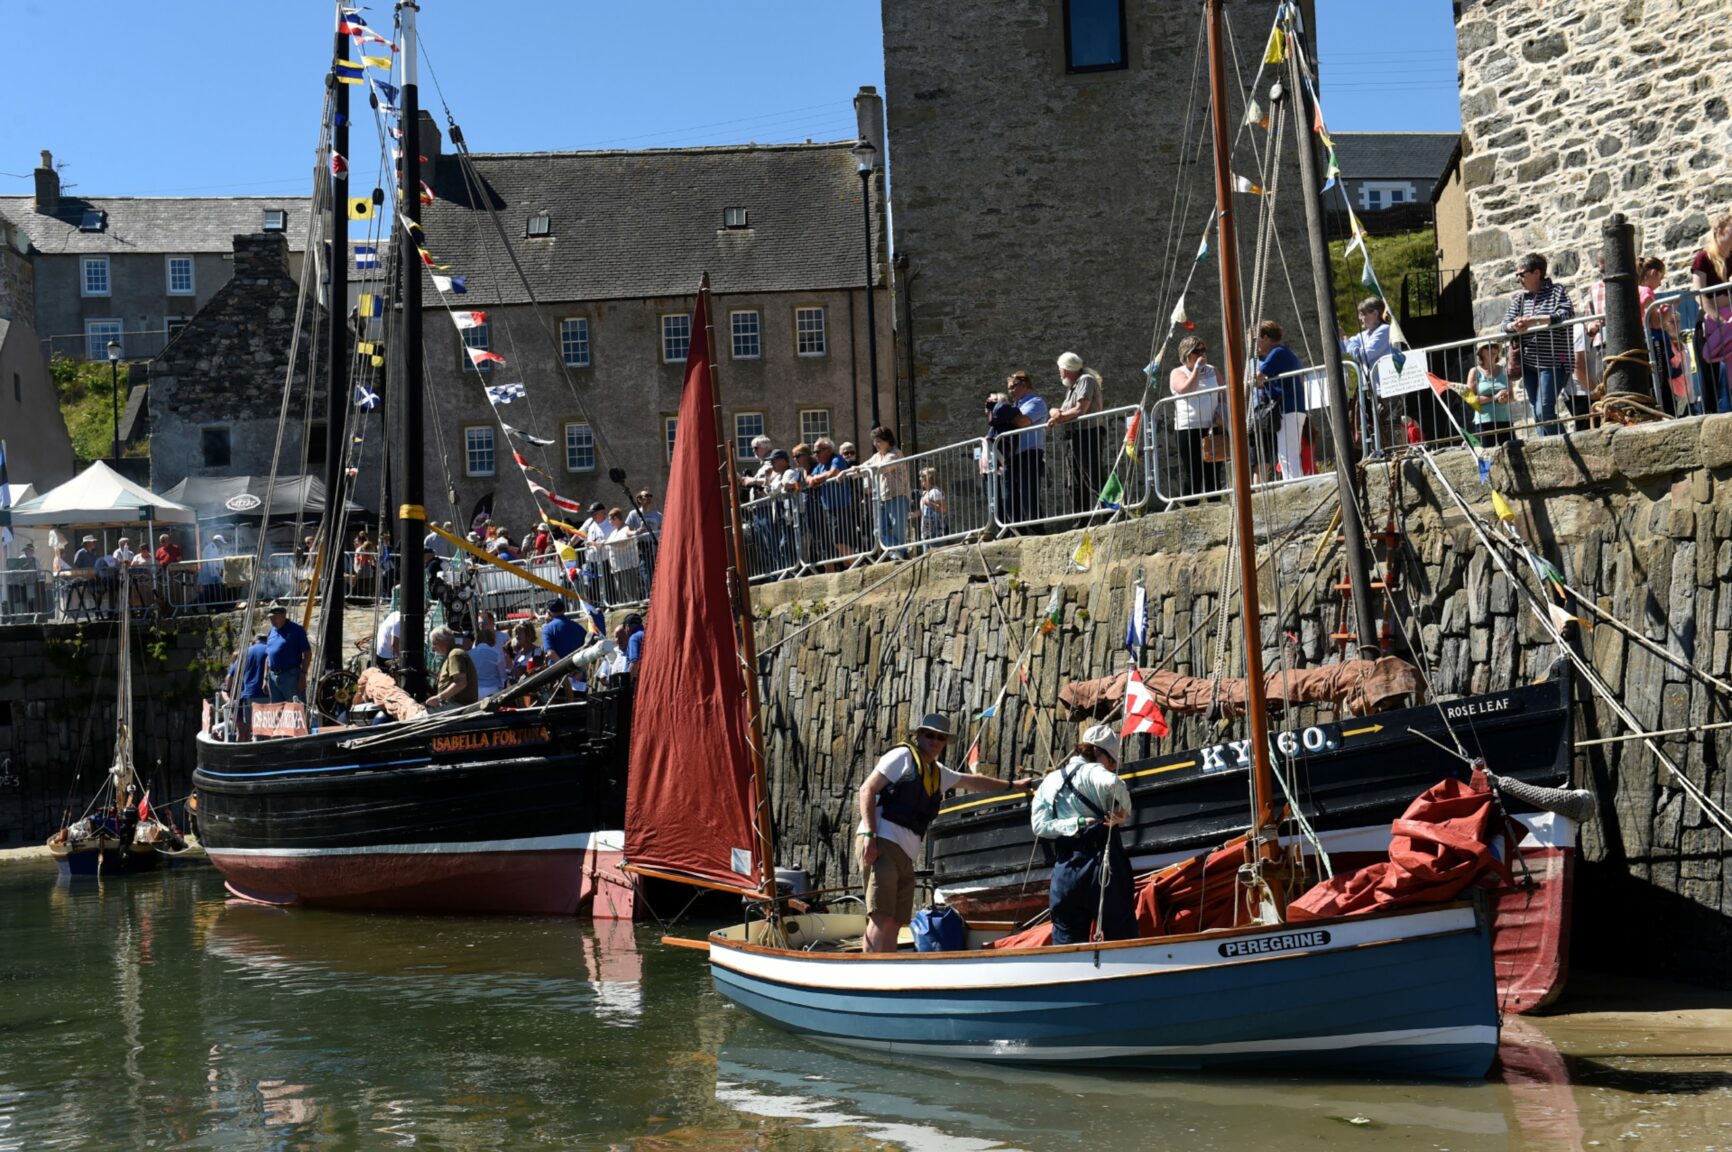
[745,431]
[809,431]
[1384,188]
[539,226]
[480,338]
[752,331]
[103,329]
[168,264]
[85,266]
[579,436]
[479,438]
[172,325]
[735,217]
[803,330]
[274,220]
[671,323]
[670,427]
[574,344]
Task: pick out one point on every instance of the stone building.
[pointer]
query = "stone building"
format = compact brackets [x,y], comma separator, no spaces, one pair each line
[1577,109]
[131,268]
[38,450]
[1385,170]
[216,391]
[613,245]
[17,278]
[1046,178]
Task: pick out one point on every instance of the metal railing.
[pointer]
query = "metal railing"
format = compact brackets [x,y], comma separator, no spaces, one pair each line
[952,492]
[1054,476]
[1682,376]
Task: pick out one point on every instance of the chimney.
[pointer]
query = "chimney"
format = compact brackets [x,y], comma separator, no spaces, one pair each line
[869,115]
[47,185]
[431,141]
[261,255]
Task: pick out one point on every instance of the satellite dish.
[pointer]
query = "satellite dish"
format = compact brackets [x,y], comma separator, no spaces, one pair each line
[245,502]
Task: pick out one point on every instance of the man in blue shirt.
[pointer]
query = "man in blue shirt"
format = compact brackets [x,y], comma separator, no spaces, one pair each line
[559,635]
[1025,451]
[1274,363]
[286,648]
[246,683]
[634,641]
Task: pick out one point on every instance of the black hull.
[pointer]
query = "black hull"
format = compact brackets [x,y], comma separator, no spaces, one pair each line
[493,813]
[1361,772]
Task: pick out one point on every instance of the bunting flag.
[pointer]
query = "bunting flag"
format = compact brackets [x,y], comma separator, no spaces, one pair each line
[427,260]
[1316,114]
[465,320]
[1022,674]
[389,93]
[1054,612]
[339,166]
[384,63]
[480,356]
[369,304]
[1441,386]
[1240,184]
[988,712]
[1484,470]
[1398,358]
[1084,554]
[555,498]
[1396,336]
[1203,249]
[357,439]
[426,193]
[1142,714]
[1367,277]
[452,285]
[1560,617]
[360,208]
[1137,627]
[347,72]
[351,23]
[1358,230]
[517,434]
[1179,318]
[1255,117]
[1276,53]
[499,393]
[413,228]
[1113,492]
[367,256]
[365,399]
[1133,427]
[1332,173]
[974,756]
[1501,507]
[377,361]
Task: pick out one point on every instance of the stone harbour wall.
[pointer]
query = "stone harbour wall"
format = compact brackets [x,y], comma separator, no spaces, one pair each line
[1640,519]
[1574,109]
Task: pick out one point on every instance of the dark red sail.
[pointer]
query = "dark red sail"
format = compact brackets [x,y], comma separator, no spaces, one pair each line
[688,806]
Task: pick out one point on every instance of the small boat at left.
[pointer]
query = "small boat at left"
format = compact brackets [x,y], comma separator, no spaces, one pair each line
[118,832]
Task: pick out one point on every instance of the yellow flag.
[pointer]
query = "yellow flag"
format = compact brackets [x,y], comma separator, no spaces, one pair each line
[377,62]
[1560,617]
[1277,53]
[361,208]
[1084,554]
[1501,506]
[378,361]
[364,348]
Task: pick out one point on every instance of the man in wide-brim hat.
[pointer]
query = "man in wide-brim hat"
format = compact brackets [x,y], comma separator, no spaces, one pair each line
[1078,810]
[898,802]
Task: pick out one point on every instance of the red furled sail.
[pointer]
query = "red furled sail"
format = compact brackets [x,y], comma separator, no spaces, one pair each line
[689,798]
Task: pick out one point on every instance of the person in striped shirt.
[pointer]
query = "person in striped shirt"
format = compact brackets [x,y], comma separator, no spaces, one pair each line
[1536,315]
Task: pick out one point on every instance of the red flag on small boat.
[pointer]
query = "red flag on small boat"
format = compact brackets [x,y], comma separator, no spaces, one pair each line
[144,806]
[1142,714]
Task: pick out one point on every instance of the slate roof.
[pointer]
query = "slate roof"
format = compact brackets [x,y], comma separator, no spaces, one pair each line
[635,224]
[1417,156]
[149,224]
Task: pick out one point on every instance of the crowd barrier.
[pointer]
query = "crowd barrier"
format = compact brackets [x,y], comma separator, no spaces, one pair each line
[1049,478]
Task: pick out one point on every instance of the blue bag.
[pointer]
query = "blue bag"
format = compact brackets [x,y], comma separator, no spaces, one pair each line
[939,928]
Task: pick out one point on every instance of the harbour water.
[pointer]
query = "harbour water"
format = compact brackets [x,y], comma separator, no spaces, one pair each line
[151,1012]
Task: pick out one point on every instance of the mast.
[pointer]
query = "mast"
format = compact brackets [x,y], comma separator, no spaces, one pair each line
[1263,831]
[122,769]
[336,356]
[740,596]
[406,404]
[1347,480]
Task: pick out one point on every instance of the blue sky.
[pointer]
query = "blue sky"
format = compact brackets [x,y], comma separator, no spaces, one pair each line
[169,97]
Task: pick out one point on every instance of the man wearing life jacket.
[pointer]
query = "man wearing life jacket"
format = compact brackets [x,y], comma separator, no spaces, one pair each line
[898,802]
[1078,809]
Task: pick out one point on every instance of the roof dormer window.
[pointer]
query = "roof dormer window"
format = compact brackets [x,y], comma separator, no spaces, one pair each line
[92,220]
[540,224]
[733,217]
[276,220]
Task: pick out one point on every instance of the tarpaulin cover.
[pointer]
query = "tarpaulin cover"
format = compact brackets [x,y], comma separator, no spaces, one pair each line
[689,798]
[1360,686]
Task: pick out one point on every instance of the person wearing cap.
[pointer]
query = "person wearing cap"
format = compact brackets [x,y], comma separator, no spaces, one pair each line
[286,649]
[560,635]
[1078,809]
[246,682]
[1085,446]
[85,557]
[898,803]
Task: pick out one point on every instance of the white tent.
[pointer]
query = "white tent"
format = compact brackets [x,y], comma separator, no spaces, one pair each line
[99,497]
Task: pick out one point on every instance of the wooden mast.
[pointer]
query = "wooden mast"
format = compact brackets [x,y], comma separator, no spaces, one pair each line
[740,596]
[1232,337]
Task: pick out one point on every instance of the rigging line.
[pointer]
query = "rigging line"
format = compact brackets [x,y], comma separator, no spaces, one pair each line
[1705,803]
[1175,214]
[1657,649]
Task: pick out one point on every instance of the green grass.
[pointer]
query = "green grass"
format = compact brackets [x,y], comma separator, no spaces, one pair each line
[1391,257]
[87,404]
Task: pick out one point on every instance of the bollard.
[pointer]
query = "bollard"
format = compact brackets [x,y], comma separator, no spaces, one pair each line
[1629,389]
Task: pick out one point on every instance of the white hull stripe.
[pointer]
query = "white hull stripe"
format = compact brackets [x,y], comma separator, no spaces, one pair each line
[1474,1034]
[570,842]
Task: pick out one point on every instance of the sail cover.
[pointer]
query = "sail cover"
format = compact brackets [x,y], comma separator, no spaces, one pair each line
[689,800]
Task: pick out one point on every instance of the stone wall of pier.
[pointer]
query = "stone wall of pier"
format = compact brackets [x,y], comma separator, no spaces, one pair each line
[1640,519]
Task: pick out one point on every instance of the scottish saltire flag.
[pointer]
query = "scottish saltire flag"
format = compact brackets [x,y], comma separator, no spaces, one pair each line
[367,256]
[365,398]
[503,393]
[387,92]
[1137,628]
[452,284]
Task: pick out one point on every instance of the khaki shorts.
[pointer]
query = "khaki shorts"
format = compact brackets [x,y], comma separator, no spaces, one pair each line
[889,880]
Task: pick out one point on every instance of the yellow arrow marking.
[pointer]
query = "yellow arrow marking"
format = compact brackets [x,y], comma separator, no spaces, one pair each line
[1363,731]
[1000,799]
[1158,771]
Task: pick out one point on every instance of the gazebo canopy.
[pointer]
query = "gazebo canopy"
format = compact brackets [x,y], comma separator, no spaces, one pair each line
[230,497]
[99,497]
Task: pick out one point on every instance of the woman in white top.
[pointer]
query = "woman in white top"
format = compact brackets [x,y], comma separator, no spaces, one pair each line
[890,483]
[489,656]
[620,548]
[1197,399]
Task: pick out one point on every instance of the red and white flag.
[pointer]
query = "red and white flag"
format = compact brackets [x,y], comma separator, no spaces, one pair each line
[1142,714]
[469,319]
[480,356]
[144,806]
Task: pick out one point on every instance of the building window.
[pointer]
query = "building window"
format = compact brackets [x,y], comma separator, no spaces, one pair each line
[1094,35]
[1375,195]
[540,224]
[814,422]
[809,331]
[97,334]
[747,342]
[180,275]
[215,442]
[171,326]
[579,447]
[676,338]
[17,388]
[748,426]
[477,337]
[574,341]
[276,220]
[1395,196]
[316,454]
[670,425]
[96,276]
[478,451]
[733,217]
[92,220]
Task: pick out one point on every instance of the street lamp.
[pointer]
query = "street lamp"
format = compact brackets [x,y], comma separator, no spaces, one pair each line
[866,158]
[114,387]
